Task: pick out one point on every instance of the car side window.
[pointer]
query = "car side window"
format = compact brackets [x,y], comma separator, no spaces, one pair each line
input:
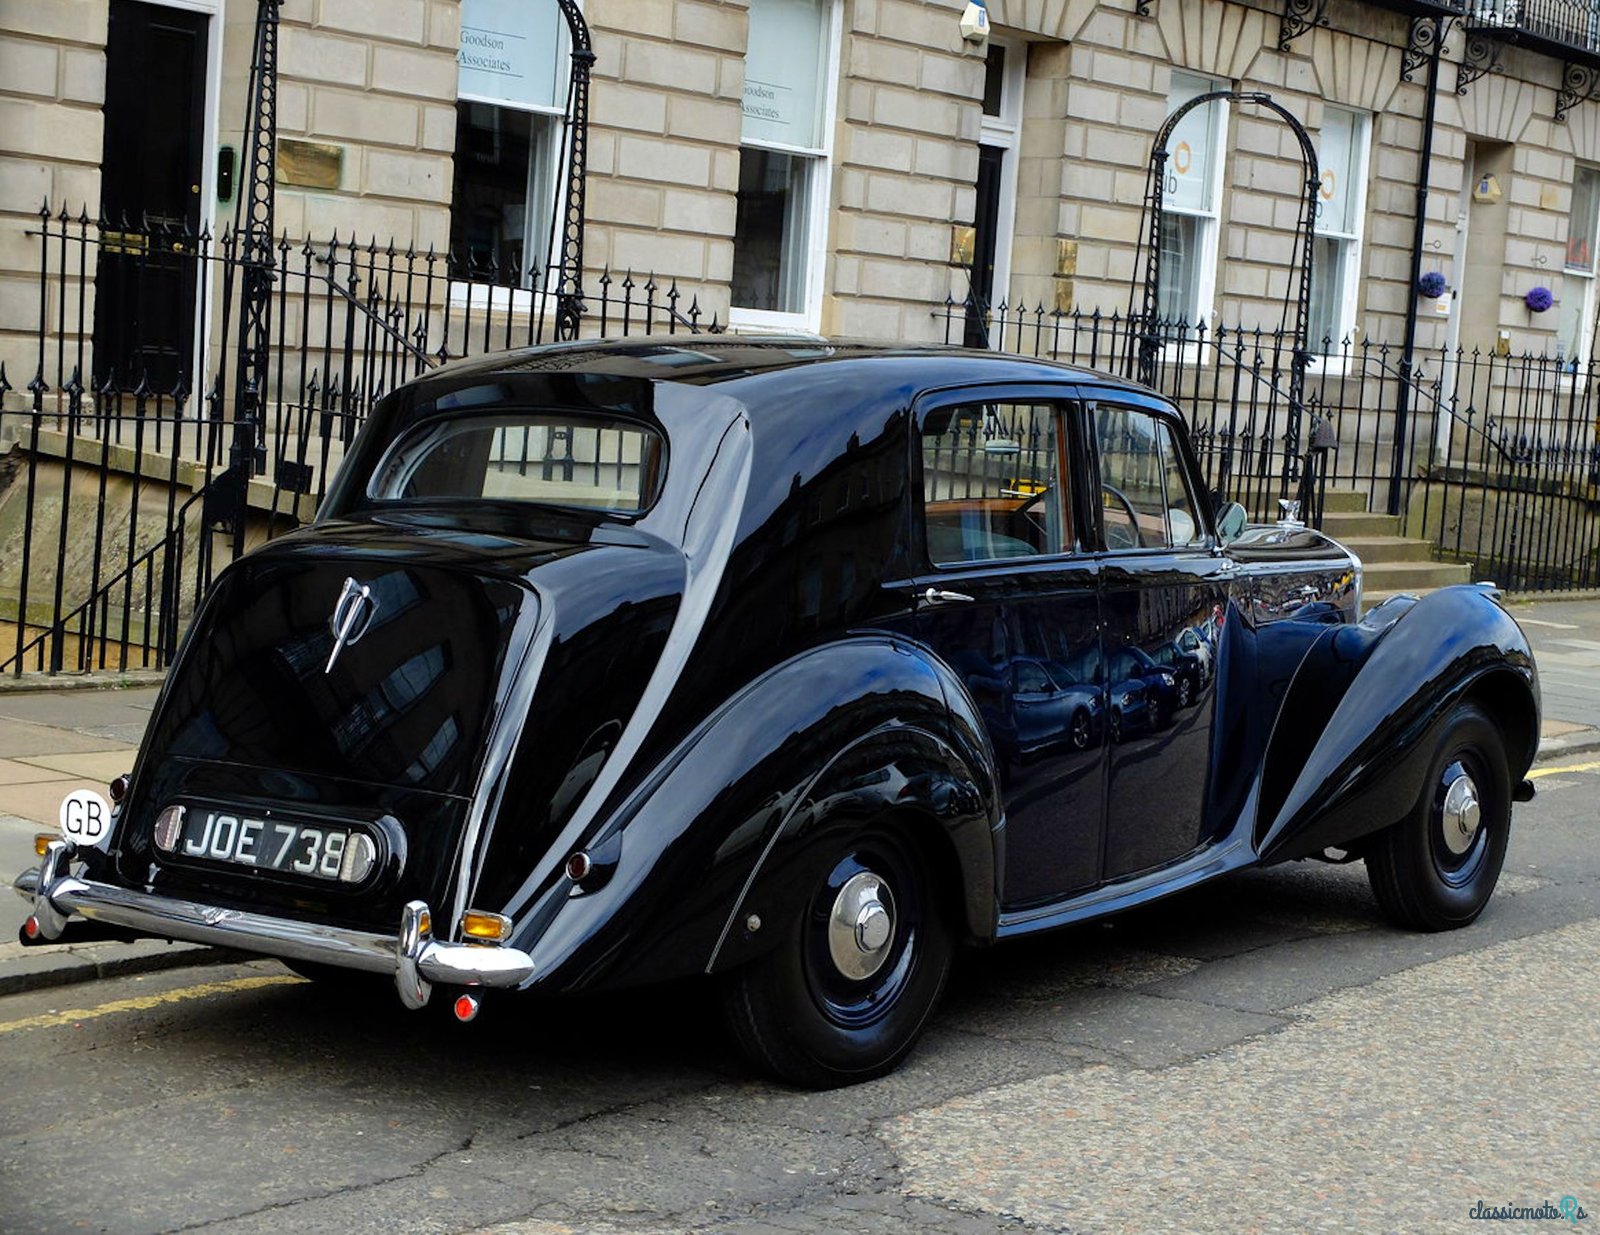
[991,482]
[1144,496]
[1031,679]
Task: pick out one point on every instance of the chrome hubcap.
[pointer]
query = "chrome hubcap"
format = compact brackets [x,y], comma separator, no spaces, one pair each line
[861,926]
[1461,814]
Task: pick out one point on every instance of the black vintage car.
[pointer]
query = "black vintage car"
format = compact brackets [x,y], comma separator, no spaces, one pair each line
[788,665]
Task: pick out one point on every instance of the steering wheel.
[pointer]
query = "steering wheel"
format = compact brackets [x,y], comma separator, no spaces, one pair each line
[1118,536]
[1031,521]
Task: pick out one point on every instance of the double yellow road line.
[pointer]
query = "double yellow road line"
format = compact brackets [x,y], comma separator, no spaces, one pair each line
[143,1003]
[1592,766]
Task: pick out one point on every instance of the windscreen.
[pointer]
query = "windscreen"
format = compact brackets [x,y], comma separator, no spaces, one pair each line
[543,457]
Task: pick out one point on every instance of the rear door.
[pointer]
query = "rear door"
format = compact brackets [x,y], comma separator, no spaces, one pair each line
[1007,596]
[1161,584]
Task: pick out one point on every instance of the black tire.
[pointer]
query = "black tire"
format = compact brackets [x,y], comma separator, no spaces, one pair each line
[797,1016]
[1427,873]
[1080,731]
[1185,691]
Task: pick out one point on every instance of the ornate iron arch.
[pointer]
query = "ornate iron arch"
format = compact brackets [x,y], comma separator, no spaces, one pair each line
[254,218]
[253,237]
[1154,209]
[1149,327]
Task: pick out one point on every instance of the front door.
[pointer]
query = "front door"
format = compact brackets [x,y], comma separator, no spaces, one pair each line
[1163,592]
[1008,599]
[146,282]
[985,243]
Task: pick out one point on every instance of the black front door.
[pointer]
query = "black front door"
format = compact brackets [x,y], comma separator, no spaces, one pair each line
[1008,600]
[985,238]
[146,282]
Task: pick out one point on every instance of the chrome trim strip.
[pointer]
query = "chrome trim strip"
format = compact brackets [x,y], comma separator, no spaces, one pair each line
[413,957]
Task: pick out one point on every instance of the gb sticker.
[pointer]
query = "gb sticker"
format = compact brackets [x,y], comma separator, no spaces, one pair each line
[86,818]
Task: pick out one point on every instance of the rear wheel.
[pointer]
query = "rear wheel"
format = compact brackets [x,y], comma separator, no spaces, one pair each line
[1436,869]
[851,986]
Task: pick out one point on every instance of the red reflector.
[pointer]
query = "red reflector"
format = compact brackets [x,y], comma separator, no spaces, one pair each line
[31,927]
[578,866]
[466,1007]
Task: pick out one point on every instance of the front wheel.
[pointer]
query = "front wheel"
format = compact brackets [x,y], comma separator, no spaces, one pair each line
[851,986]
[1081,731]
[1436,868]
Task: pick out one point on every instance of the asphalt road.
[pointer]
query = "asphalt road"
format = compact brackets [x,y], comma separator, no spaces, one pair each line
[1262,1055]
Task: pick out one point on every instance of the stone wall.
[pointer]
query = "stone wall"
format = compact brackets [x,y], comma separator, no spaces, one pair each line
[52,85]
[664,138]
[375,80]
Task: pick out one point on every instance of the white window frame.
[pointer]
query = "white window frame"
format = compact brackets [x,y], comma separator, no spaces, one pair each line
[1209,230]
[1589,284]
[819,194]
[1351,244]
[543,173]
[1005,132]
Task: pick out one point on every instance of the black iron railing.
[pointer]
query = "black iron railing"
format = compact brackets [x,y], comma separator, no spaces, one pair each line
[1499,462]
[1553,25]
[120,492]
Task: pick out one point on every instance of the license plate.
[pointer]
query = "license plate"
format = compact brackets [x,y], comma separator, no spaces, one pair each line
[317,850]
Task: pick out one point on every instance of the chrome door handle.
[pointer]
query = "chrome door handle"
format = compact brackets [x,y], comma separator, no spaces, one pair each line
[938,596]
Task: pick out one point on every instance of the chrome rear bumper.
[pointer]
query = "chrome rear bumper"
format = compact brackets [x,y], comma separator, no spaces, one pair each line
[414,957]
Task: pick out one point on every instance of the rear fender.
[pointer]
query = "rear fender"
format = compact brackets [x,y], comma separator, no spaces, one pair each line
[910,776]
[847,730]
[1394,682]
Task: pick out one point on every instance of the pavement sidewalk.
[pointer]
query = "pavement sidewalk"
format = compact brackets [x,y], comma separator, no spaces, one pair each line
[56,740]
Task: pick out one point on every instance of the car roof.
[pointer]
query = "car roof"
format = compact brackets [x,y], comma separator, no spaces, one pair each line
[752,366]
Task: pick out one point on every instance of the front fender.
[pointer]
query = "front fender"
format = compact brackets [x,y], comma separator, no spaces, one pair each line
[1393,682]
[848,728]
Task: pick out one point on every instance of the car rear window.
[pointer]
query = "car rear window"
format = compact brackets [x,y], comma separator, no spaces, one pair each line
[547,458]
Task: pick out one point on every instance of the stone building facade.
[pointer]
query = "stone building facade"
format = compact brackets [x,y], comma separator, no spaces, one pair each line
[818,164]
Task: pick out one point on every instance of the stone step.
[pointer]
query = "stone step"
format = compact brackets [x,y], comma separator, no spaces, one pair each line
[1342,523]
[1412,576]
[1372,549]
[1347,500]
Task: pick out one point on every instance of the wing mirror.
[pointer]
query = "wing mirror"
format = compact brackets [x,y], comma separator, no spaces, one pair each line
[1230,522]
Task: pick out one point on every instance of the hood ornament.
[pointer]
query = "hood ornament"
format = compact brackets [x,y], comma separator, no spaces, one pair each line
[352,614]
